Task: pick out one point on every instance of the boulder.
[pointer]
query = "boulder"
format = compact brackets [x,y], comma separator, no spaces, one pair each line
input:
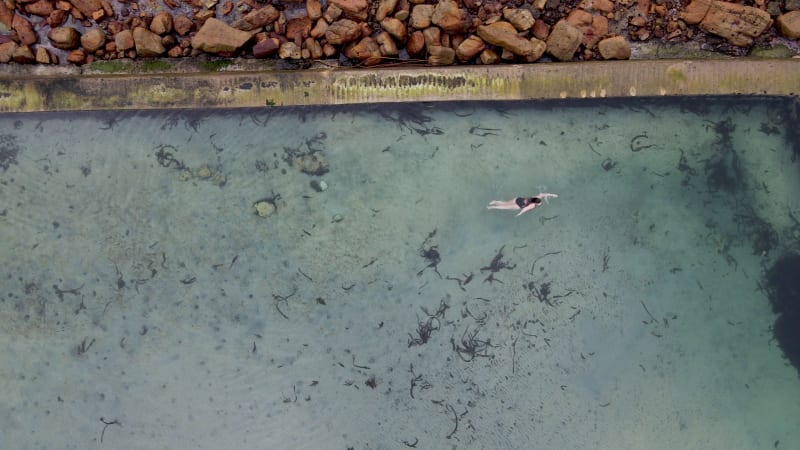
[147,43]
[737,23]
[124,40]
[366,50]
[789,24]
[23,55]
[563,41]
[504,34]
[24,30]
[299,26]
[65,38]
[449,17]
[386,44]
[314,9]
[416,43]
[162,23]
[267,47]
[616,47]
[396,28]
[470,47]
[342,31]
[182,25]
[355,9]
[6,16]
[441,56]
[43,56]
[215,36]
[257,18]
[87,7]
[385,9]
[93,40]
[593,26]
[42,8]
[522,19]
[290,50]
[7,51]
[421,16]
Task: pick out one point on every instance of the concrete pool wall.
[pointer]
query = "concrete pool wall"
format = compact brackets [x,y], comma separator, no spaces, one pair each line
[248,84]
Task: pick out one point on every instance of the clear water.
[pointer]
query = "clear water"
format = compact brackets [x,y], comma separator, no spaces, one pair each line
[145,304]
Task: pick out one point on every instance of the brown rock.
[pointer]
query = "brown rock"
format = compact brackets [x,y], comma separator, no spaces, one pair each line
[449,17]
[42,56]
[175,52]
[366,50]
[470,47]
[124,40]
[215,36]
[314,48]
[489,56]
[416,43]
[541,29]
[300,26]
[93,40]
[385,9]
[267,47]
[789,24]
[7,50]
[604,6]
[23,55]
[563,41]
[6,16]
[56,18]
[356,9]
[694,12]
[65,38]
[638,21]
[342,31]
[505,35]
[386,44]
[257,18]
[87,7]
[737,23]
[396,28]
[290,50]
[313,9]
[162,23]
[319,29]
[76,57]
[24,30]
[41,8]
[522,19]
[593,26]
[539,46]
[147,43]
[421,16]
[98,15]
[441,56]
[615,48]
[329,50]
[433,36]
[183,25]
[332,13]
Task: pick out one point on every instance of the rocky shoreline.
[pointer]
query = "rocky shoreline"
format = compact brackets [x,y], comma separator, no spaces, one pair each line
[368,33]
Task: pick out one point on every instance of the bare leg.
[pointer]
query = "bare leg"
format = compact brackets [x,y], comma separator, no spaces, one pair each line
[502,204]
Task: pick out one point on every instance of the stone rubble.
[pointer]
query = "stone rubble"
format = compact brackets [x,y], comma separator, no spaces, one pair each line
[362,32]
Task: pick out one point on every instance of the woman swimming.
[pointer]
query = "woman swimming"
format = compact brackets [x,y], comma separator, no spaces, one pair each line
[524,204]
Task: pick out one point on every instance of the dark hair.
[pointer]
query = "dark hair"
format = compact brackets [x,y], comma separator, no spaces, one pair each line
[536,200]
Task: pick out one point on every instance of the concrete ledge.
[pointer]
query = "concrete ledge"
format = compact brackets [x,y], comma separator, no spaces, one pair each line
[329,86]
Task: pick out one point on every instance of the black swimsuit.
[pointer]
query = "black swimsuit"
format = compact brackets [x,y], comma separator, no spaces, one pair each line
[521,201]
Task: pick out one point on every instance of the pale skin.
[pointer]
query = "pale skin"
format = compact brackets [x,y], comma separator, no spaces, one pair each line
[523,204]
